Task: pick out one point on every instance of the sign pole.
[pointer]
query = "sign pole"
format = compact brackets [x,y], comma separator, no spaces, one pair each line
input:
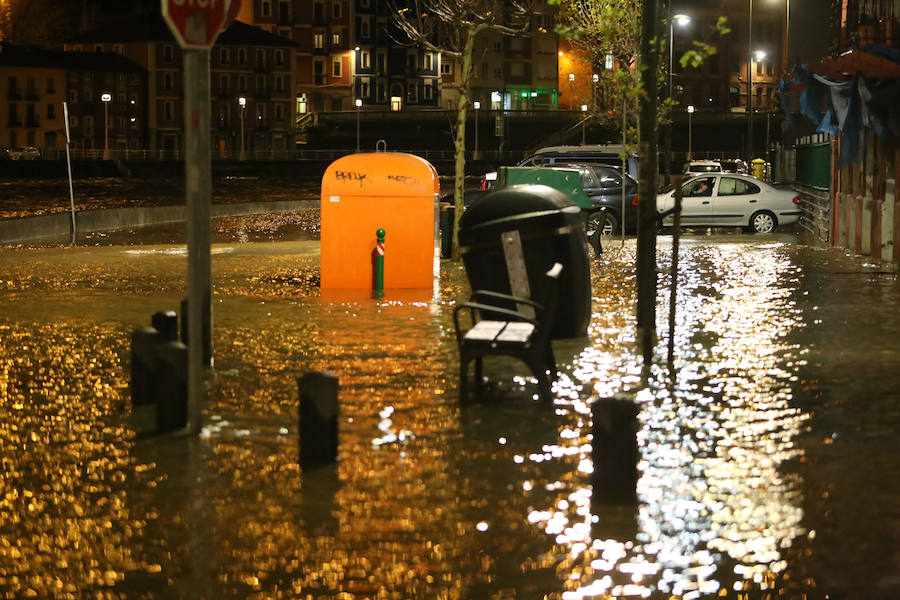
[198,191]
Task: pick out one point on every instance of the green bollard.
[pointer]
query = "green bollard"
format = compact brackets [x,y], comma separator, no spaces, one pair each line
[379,263]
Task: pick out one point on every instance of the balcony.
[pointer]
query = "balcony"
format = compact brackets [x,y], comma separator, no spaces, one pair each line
[32,121]
[14,121]
[13,94]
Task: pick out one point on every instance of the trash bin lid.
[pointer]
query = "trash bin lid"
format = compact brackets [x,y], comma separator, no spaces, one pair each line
[527,208]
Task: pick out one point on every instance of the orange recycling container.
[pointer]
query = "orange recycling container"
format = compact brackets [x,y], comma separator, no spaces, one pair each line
[362,193]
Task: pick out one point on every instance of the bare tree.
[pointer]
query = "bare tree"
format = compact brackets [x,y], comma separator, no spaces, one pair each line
[450,28]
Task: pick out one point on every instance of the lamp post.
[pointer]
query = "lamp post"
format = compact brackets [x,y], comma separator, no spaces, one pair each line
[571,92]
[476,105]
[584,108]
[106,98]
[243,102]
[358,104]
[759,54]
[690,111]
[682,20]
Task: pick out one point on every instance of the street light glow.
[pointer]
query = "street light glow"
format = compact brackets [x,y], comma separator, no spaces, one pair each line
[690,108]
[760,54]
[682,20]
[106,97]
[242,101]
[476,105]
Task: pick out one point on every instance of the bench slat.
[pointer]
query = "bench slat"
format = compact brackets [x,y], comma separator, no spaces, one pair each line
[517,333]
[485,331]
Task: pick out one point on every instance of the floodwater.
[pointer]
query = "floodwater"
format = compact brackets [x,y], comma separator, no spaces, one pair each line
[768,461]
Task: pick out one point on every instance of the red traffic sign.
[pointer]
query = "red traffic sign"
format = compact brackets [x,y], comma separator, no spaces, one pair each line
[196,23]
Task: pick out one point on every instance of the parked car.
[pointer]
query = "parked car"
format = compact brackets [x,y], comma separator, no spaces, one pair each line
[26,153]
[702,166]
[725,199]
[597,190]
[563,156]
[734,165]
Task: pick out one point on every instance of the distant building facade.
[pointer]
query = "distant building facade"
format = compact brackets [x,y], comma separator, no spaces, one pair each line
[245,63]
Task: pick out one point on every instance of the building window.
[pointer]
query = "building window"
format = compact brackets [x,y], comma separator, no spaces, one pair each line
[279,83]
[336,10]
[168,53]
[260,59]
[336,67]
[365,59]
[364,88]
[364,31]
[364,3]
[51,87]
[168,112]
[242,83]
[260,83]
[242,56]
[498,47]
[51,112]
[266,8]
[260,113]
[73,96]
[223,56]
[279,112]
[427,61]
[167,81]
[318,40]
[335,39]
[279,56]
[223,83]
[381,61]
[380,92]
[428,91]
[411,92]
[446,68]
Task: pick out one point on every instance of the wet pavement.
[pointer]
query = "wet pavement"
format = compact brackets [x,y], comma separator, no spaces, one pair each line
[768,455]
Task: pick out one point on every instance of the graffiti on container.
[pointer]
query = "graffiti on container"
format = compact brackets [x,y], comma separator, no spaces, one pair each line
[404,179]
[350,176]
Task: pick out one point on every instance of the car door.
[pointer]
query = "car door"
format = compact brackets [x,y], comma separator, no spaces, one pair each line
[735,200]
[696,201]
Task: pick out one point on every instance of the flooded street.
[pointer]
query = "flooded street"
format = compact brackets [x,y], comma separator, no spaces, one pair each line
[768,454]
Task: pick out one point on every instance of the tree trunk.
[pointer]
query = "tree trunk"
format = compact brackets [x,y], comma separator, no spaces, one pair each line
[459,181]
[646,231]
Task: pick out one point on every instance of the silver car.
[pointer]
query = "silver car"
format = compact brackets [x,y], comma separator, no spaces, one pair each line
[732,200]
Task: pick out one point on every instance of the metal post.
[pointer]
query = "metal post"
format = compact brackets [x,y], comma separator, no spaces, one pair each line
[358,104]
[198,190]
[668,154]
[750,85]
[379,262]
[69,168]
[673,288]
[106,98]
[584,119]
[476,105]
[571,91]
[243,102]
[690,111]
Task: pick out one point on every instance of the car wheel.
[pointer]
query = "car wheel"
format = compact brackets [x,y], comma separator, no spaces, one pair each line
[763,222]
[604,221]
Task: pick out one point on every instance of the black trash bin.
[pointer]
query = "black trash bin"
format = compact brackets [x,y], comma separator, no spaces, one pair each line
[551,229]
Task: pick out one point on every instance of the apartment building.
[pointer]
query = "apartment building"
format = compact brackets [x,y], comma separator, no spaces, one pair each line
[104,94]
[251,85]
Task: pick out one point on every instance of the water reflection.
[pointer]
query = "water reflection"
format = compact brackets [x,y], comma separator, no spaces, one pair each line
[427,500]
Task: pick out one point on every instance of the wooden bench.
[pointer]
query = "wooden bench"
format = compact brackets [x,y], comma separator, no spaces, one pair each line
[502,324]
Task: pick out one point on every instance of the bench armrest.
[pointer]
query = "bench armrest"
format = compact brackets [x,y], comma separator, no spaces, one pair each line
[481,295]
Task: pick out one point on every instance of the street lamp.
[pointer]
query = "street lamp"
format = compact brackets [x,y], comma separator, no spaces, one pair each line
[584,108]
[476,105]
[571,92]
[106,98]
[690,111]
[358,104]
[682,20]
[243,102]
[759,55]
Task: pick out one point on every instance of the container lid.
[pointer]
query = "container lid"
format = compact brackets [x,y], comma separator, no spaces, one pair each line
[380,174]
[527,208]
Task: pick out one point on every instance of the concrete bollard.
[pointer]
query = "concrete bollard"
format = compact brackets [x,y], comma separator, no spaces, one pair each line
[207,329]
[615,450]
[318,419]
[166,323]
[172,384]
[144,341]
